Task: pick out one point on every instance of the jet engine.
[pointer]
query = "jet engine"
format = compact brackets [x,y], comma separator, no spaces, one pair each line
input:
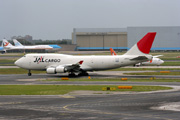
[56,70]
[51,70]
[61,70]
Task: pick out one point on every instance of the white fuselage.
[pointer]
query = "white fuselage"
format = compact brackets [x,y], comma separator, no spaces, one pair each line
[29,47]
[90,63]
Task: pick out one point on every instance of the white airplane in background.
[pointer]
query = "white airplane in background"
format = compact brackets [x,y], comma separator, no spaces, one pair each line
[61,63]
[155,60]
[18,45]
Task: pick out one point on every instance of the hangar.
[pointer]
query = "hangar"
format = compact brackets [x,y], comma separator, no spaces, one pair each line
[167,38]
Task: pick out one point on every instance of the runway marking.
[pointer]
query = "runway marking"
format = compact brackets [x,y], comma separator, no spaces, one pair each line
[28,80]
[10,103]
[67,96]
[84,110]
[109,113]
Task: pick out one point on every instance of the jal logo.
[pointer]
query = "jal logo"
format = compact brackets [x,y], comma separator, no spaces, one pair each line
[43,60]
[39,59]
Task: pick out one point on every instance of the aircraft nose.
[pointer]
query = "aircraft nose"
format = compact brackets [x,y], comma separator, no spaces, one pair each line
[18,62]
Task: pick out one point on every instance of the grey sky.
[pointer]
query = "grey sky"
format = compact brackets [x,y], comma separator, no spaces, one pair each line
[55,19]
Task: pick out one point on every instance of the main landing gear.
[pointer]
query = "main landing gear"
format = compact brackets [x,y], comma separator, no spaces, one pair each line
[83,73]
[29,72]
[72,74]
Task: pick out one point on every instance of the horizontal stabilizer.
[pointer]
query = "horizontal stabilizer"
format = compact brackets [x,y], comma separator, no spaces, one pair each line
[157,56]
[140,58]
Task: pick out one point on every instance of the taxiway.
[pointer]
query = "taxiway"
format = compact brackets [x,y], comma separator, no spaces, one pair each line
[127,105]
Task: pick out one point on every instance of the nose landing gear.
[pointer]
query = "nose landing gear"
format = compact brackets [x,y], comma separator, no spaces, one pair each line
[29,72]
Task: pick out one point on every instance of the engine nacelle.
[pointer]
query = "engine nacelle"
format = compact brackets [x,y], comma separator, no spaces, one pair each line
[61,70]
[51,71]
[56,70]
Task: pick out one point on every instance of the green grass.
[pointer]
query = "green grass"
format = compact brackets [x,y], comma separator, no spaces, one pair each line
[176,59]
[64,89]
[165,54]
[7,61]
[12,54]
[7,65]
[154,73]
[174,63]
[116,80]
[18,71]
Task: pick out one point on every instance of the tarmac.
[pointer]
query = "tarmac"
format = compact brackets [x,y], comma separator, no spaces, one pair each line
[90,105]
[125,106]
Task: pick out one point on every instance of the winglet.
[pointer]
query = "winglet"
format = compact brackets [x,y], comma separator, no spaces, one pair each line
[145,43]
[112,52]
[80,62]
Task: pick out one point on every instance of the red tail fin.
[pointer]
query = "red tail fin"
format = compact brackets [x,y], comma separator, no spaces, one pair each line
[112,52]
[145,43]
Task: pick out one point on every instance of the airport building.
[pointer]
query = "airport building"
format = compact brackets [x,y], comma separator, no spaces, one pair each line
[167,38]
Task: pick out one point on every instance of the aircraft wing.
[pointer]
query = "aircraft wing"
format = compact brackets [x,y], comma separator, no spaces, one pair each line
[73,67]
[140,58]
[67,67]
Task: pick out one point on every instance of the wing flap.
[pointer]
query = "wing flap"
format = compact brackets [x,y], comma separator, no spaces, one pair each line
[74,67]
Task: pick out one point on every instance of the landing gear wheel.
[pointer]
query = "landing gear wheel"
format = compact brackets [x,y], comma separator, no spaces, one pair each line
[83,74]
[86,74]
[72,75]
[29,73]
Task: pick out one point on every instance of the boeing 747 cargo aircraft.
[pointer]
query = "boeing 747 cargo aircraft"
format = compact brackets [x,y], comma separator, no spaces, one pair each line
[61,63]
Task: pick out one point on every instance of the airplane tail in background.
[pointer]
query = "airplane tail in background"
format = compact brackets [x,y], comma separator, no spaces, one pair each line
[6,43]
[143,46]
[112,52]
[17,43]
